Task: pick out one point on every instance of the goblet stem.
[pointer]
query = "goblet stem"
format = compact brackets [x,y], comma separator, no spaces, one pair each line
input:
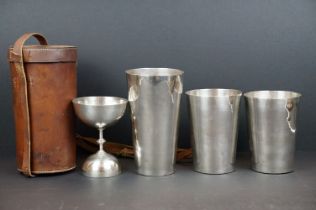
[101,140]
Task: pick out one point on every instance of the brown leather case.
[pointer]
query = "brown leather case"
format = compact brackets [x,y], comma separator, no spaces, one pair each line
[44,83]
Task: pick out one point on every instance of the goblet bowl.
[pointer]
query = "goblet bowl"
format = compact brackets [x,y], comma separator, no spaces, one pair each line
[99,111]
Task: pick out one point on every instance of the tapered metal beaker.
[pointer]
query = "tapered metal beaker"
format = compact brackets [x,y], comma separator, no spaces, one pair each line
[154,96]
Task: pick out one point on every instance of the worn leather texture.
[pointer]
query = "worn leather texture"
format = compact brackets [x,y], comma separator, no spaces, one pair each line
[44,83]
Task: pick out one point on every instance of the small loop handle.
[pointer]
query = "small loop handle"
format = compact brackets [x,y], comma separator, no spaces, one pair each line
[18,45]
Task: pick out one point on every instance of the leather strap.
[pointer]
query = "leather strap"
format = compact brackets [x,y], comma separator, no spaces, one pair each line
[23,97]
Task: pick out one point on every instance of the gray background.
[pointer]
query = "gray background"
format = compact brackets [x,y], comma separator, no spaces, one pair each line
[242,44]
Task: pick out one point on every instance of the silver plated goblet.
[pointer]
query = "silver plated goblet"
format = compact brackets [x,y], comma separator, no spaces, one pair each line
[100,112]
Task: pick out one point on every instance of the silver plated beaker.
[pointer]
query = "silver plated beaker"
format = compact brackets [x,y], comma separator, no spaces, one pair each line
[272,130]
[154,95]
[214,125]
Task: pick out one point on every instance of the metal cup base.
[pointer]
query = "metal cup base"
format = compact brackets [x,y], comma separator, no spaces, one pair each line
[154,174]
[101,164]
[265,170]
[214,172]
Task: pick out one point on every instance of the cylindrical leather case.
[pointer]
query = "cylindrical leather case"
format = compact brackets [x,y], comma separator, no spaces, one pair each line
[44,83]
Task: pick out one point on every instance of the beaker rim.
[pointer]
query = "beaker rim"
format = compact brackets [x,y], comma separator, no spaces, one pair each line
[154,72]
[272,94]
[213,92]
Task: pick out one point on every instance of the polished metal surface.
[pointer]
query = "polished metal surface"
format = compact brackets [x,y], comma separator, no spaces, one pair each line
[100,112]
[154,96]
[101,164]
[272,129]
[214,125]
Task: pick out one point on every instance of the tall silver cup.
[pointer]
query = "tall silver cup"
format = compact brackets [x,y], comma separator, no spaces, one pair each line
[154,96]
[272,129]
[214,120]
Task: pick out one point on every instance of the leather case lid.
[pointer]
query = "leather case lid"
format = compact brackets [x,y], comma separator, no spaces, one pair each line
[45,54]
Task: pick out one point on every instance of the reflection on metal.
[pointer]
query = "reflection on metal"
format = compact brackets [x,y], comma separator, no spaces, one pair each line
[154,106]
[290,120]
[214,125]
[272,130]
[100,112]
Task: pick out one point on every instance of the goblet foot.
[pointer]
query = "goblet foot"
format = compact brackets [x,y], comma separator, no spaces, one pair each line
[101,164]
